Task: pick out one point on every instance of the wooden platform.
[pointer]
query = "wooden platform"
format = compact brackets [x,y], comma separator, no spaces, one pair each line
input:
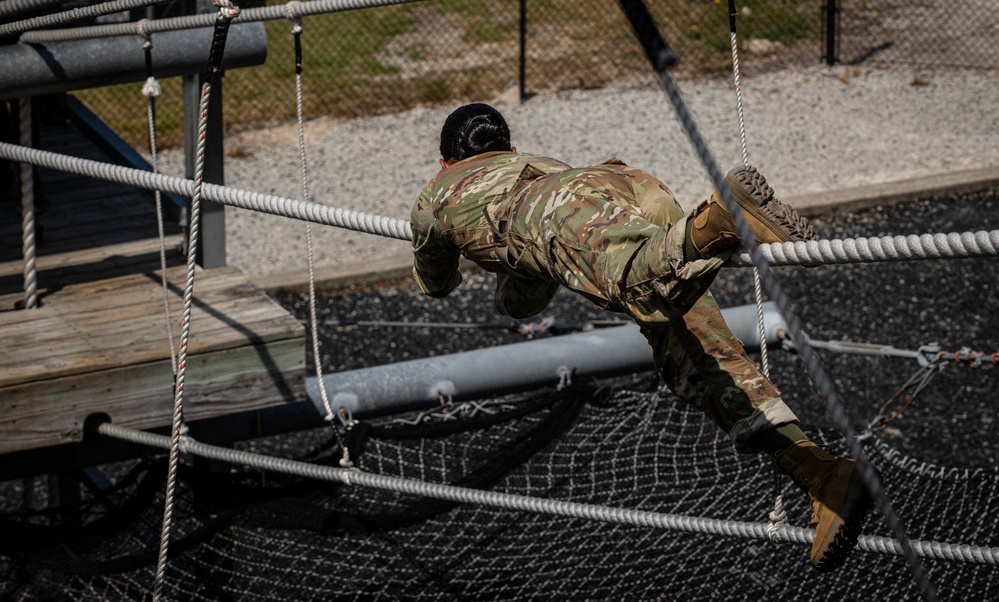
[101,347]
[98,344]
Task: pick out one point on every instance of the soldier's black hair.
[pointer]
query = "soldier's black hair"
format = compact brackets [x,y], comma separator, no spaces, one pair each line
[472,130]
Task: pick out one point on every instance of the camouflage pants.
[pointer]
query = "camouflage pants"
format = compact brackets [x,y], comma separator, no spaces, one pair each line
[615,234]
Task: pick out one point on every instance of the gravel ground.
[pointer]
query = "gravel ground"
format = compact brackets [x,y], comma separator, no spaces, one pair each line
[808,130]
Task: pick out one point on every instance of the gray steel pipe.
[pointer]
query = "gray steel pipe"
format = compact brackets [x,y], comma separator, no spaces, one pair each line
[421,383]
[30,70]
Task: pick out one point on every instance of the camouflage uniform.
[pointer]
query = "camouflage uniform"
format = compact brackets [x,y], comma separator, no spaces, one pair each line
[611,233]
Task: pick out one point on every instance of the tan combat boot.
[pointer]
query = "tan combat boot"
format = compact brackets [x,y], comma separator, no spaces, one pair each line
[839,500]
[713,231]
[769,219]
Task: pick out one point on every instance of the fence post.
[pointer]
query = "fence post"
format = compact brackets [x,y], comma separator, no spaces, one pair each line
[523,50]
[830,31]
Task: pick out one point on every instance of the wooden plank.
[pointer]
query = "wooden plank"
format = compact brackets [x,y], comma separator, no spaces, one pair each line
[120,253]
[93,326]
[141,396]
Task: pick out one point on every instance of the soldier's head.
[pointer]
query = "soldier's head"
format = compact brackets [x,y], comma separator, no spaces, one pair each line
[472,130]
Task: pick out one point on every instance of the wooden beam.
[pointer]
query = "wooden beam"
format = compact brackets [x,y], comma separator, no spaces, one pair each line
[53,411]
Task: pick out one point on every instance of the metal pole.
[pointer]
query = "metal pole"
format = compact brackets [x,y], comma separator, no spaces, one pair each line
[831,31]
[523,50]
[211,233]
[601,353]
[37,70]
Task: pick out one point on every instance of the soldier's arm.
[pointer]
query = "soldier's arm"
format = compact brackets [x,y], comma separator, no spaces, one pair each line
[435,260]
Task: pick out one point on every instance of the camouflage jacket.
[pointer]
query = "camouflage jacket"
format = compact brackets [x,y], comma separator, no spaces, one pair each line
[461,211]
[540,222]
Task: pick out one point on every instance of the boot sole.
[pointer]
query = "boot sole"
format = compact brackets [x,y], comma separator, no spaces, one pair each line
[848,532]
[755,197]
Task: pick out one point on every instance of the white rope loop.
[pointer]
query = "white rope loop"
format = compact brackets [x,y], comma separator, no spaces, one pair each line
[778,519]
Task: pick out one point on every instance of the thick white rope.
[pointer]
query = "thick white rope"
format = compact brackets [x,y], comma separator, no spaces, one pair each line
[266,203]
[262,13]
[876,249]
[642,518]
[812,253]
[28,210]
[77,14]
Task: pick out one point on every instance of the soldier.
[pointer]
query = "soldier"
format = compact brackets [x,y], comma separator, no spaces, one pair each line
[617,236]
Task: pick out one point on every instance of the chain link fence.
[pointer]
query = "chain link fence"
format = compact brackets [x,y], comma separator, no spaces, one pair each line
[372,61]
[923,34]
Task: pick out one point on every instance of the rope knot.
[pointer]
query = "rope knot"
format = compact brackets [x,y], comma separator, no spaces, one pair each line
[291,12]
[227,10]
[778,518]
[345,460]
[184,439]
[564,378]
[152,87]
[140,28]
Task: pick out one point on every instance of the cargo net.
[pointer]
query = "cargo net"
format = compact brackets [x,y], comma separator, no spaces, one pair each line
[253,535]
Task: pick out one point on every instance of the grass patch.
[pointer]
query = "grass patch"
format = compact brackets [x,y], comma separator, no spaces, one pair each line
[371,61]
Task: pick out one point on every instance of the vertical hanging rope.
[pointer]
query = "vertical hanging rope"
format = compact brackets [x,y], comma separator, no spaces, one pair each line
[227,12]
[757,284]
[151,89]
[28,210]
[296,31]
[778,516]
[738,81]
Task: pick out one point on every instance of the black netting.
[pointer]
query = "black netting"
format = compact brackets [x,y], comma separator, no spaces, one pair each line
[247,535]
